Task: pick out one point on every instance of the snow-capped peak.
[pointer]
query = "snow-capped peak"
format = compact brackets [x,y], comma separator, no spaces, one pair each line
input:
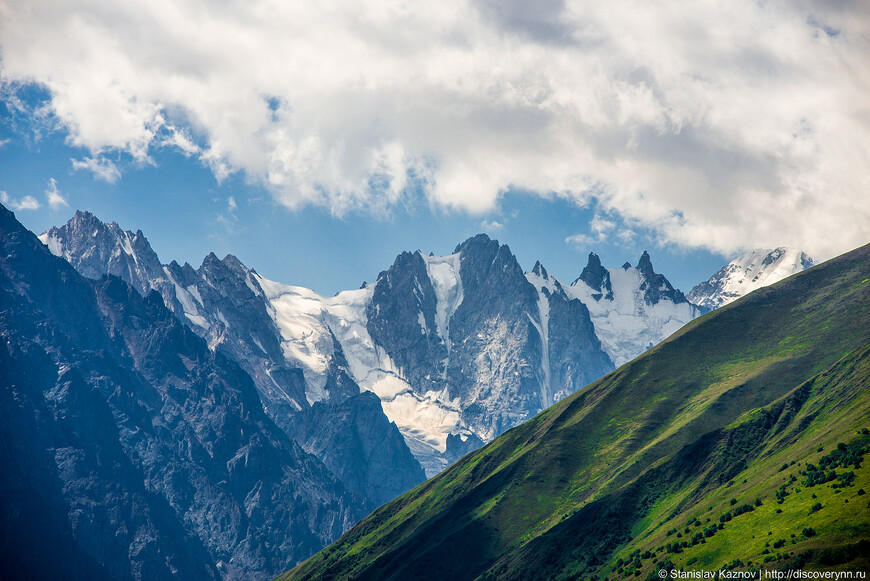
[95,248]
[597,278]
[748,272]
[632,308]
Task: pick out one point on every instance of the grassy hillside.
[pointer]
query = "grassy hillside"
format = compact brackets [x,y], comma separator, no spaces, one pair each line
[638,471]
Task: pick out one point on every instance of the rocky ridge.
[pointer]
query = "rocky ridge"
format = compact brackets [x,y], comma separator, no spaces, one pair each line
[132,450]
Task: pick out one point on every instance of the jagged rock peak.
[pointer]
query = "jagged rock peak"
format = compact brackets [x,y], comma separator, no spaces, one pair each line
[210,258]
[236,266]
[540,270]
[482,256]
[644,265]
[95,248]
[596,276]
[82,217]
[593,262]
[479,241]
[406,260]
[656,286]
[184,275]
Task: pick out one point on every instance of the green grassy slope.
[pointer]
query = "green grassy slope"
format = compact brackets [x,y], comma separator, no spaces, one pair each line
[591,486]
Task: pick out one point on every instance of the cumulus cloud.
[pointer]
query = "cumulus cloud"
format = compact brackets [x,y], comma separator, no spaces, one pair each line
[102,168]
[600,229]
[581,240]
[25,203]
[714,124]
[492,226]
[52,194]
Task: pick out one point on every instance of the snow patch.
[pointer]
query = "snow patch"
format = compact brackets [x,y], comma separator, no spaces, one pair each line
[305,339]
[446,282]
[54,244]
[251,284]
[308,322]
[188,304]
[625,324]
[542,325]
[748,272]
[194,292]
[197,320]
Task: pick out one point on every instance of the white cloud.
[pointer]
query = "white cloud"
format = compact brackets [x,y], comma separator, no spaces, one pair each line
[228,218]
[601,226]
[600,229]
[180,139]
[52,194]
[102,168]
[492,226]
[25,203]
[626,236]
[580,240]
[715,124]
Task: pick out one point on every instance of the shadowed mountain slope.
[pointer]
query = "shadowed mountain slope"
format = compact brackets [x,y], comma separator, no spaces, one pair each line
[725,423]
[130,450]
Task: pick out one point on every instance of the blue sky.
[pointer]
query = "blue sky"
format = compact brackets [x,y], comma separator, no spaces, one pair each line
[316,143]
[186,213]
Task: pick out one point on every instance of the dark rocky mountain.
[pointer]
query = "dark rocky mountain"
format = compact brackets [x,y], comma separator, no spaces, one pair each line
[223,302]
[574,354]
[95,248]
[456,347]
[357,444]
[597,278]
[133,451]
[402,299]
[655,286]
[470,336]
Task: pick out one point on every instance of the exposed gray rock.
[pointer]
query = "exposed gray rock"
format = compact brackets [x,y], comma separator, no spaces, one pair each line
[490,359]
[655,286]
[403,294]
[149,453]
[597,278]
[222,301]
[358,455]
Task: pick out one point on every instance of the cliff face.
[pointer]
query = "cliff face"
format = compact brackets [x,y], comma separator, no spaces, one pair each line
[132,450]
[223,302]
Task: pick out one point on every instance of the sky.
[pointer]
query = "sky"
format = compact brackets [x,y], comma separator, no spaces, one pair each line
[317,142]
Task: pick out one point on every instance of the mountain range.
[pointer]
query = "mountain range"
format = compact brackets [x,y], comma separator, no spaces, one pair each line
[457,348]
[335,405]
[735,446]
